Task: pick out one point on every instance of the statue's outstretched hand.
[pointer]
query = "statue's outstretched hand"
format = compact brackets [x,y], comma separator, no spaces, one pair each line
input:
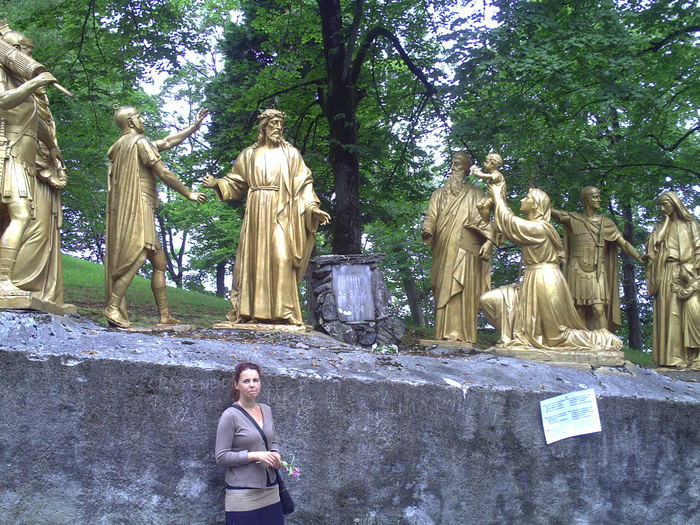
[208,181]
[195,196]
[201,115]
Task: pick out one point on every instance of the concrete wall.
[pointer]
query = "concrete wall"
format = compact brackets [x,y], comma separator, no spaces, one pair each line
[99,427]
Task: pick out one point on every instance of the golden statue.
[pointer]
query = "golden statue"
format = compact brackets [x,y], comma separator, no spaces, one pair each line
[134,166]
[22,130]
[590,243]
[673,268]
[538,313]
[458,228]
[38,268]
[279,227]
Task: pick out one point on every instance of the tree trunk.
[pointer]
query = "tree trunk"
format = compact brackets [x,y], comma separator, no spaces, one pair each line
[220,279]
[629,285]
[417,317]
[339,107]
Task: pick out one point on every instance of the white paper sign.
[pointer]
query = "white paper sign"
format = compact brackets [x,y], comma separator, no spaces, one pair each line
[571,414]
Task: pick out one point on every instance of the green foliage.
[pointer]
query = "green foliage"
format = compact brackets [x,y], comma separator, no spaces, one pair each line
[573,95]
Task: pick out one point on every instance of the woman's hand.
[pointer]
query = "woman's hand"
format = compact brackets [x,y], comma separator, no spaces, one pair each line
[271,459]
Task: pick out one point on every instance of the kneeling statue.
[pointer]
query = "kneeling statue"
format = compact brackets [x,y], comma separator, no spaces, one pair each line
[540,312]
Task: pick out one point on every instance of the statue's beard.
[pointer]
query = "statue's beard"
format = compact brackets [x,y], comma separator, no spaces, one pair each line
[275,138]
[455,184]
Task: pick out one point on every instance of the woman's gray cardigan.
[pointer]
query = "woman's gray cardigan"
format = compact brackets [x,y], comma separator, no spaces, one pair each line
[236,435]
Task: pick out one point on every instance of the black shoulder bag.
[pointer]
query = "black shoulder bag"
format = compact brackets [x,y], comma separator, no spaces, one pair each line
[285,498]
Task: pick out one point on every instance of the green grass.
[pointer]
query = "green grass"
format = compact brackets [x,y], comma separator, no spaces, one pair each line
[83,283]
[638,357]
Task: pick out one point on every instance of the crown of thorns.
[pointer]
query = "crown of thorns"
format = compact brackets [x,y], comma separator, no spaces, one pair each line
[271,113]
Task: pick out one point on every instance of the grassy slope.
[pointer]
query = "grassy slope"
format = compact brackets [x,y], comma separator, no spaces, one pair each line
[84,287]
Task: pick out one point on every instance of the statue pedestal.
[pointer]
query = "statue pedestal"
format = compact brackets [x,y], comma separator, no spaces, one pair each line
[349,300]
[227,325]
[28,302]
[445,342]
[159,327]
[576,357]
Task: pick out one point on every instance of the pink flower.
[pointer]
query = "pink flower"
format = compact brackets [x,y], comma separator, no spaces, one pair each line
[295,473]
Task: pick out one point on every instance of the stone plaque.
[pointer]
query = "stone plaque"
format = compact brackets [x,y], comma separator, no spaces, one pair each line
[353,291]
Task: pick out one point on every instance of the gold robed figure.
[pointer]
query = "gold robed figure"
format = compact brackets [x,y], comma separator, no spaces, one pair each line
[135,165]
[39,267]
[461,239]
[591,242]
[673,275]
[28,143]
[281,217]
[539,312]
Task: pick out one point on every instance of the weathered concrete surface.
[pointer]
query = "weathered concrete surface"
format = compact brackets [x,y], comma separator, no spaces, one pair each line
[100,427]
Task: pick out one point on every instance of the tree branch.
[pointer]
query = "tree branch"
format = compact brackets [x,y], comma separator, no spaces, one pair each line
[643,164]
[678,142]
[90,10]
[655,46]
[352,36]
[370,37]
[318,81]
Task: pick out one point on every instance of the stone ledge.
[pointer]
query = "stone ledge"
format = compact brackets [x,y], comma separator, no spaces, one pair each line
[576,357]
[358,258]
[262,327]
[28,302]
[458,439]
[160,327]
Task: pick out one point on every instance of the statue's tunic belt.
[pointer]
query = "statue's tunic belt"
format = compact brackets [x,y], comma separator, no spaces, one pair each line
[265,188]
[28,131]
[538,266]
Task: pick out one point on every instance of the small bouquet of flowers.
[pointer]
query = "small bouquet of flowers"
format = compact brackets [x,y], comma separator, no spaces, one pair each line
[290,468]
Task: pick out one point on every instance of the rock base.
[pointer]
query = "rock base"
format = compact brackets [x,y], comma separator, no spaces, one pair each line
[449,441]
[28,302]
[564,357]
[227,325]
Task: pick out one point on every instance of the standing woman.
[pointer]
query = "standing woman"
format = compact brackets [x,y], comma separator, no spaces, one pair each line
[673,249]
[252,492]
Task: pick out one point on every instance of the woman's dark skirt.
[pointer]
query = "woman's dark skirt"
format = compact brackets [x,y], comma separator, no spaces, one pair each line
[253,506]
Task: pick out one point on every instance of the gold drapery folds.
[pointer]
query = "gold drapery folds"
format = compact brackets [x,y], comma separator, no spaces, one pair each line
[673,281]
[457,226]
[281,218]
[539,312]
[31,177]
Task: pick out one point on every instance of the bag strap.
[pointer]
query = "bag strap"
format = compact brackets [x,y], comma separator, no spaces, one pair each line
[262,435]
[255,424]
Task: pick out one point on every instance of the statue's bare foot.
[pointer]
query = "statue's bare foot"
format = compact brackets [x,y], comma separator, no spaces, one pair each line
[169,319]
[8,288]
[114,318]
